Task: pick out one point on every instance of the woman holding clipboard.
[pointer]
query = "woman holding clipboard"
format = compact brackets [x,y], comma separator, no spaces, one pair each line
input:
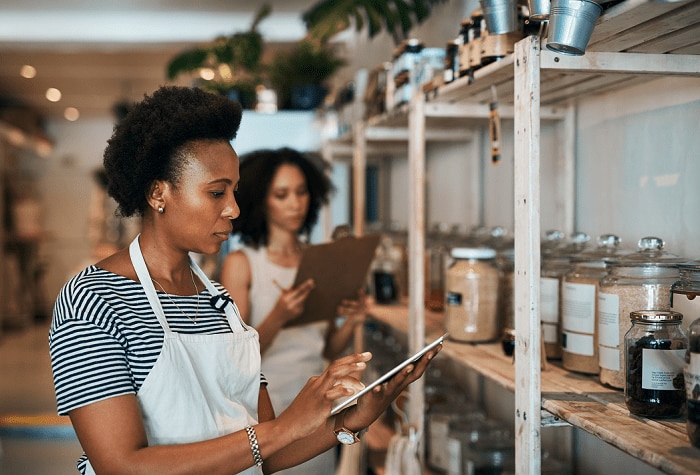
[280,194]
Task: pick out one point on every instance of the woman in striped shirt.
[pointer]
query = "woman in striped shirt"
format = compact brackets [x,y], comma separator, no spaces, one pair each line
[151,360]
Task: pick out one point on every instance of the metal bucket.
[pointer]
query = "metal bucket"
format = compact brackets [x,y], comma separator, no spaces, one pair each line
[571,23]
[501,16]
[539,9]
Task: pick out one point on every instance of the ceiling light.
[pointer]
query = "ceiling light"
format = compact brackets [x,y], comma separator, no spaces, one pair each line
[71,113]
[53,94]
[27,71]
[207,74]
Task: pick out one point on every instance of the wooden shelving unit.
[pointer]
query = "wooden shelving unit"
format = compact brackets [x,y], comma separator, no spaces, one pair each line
[634,41]
[577,399]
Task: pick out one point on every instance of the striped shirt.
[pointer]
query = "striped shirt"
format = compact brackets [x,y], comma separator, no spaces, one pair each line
[104,338]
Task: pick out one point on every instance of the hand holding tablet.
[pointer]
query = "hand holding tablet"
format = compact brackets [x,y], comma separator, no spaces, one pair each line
[386,376]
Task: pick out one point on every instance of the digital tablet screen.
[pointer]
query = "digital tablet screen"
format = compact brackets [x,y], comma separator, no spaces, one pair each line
[386,376]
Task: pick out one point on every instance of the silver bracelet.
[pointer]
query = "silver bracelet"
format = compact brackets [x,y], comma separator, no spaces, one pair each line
[254,447]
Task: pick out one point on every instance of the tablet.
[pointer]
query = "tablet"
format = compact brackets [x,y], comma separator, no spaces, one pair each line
[386,376]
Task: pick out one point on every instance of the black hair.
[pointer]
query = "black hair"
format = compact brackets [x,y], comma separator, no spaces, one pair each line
[151,142]
[257,171]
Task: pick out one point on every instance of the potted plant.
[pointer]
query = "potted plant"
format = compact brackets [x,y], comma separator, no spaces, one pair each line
[228,65]
[299,76]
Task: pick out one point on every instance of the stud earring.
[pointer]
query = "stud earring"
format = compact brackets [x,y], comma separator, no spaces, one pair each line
[161,210]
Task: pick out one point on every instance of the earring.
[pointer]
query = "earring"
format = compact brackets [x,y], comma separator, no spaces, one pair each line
[161,210]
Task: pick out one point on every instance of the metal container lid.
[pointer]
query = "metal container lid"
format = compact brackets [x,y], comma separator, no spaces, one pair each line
[656,316]
[473,253]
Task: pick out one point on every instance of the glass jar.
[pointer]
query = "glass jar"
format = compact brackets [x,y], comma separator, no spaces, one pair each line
[471,310]
[692,383]
[580,302]
[554,267]
[442,419]
[684,292]
[638,281]
[655,348]
[505,260]
[436,257]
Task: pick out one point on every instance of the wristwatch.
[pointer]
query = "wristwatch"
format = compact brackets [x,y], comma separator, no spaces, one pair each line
[345,436]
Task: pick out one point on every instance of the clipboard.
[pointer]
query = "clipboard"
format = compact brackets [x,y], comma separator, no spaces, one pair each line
[386,376]
[339,269]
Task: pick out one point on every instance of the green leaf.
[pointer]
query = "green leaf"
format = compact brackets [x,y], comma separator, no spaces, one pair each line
[397,17]
[187,61]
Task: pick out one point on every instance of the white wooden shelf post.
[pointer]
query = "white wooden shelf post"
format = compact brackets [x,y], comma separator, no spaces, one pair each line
[527,257]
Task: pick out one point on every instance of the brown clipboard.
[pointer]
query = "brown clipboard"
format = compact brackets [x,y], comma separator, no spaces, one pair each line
[339,269]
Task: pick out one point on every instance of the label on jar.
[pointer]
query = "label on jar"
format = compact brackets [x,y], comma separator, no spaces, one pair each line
[692,387]
[578,307]
[454,451]
[578,343]
[454,298]
[549,332]
[609,358]
[438,428]
[608,320]
[660,367]
[549,300]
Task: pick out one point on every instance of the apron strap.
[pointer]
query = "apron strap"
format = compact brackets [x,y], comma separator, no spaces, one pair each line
[145,279]
[232,312]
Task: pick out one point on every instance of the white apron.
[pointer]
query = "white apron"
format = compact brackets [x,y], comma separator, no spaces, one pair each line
[201,386]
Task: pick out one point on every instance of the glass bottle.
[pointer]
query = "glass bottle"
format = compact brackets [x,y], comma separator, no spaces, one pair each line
[471,307]
[655,348]
[692,383]
[684,292]
[580,302]
[437,254]
[638,281]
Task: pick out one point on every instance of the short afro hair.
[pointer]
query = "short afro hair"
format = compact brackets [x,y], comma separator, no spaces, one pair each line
[147,144]
[257,172]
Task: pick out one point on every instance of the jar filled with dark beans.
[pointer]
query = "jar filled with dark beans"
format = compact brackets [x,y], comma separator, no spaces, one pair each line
[692,383]
[655,349]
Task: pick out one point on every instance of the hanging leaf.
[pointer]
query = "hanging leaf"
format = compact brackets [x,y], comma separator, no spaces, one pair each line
[397,17]
[187,61]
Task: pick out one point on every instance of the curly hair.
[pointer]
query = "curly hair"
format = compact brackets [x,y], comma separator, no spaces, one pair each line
[151,142]
[257,171]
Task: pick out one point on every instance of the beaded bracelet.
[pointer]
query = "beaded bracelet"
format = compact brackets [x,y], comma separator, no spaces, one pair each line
[254,447]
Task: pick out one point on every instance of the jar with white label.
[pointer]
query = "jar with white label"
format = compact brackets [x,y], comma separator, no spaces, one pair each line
[655,348]
[638,281]
[692,383]
[471,307]
[554,268]
[580,302]
[685,293]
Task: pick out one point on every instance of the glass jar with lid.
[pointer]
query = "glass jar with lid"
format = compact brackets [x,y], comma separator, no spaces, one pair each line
[579,304]
[655,348]
[506,294]
[692,383]
[471,307]
[638,281]
[685,292]
[556,262]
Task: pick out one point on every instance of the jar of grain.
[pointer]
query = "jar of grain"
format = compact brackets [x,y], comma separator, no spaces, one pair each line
[638,281]
[684,292]
[579,304]
[471,307]
[655,348]
[556,263]
[692,383]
